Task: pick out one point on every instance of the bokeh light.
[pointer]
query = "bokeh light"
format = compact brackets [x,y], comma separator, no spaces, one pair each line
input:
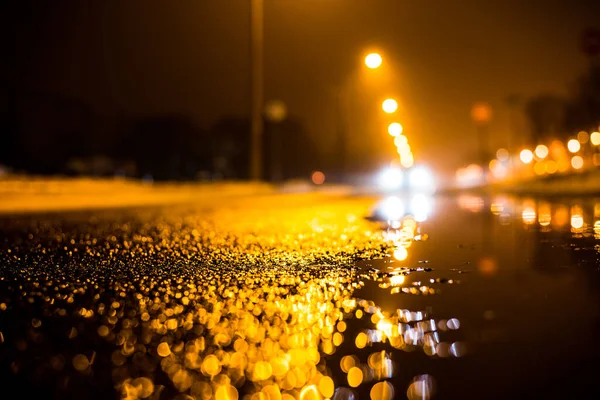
[526,156]
[502,155]
[389,106]
[573,145]
[595,138]
[318,178]
[541,151]
[395,129]
[577,162]
[373,60]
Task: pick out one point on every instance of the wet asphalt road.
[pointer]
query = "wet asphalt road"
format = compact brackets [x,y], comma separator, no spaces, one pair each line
[301,296]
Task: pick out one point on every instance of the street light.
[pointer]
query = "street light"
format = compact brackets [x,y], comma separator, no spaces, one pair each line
[395,129]
[373,60]
[389,106]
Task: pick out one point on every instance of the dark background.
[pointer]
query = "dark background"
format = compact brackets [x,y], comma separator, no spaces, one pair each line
[162,88]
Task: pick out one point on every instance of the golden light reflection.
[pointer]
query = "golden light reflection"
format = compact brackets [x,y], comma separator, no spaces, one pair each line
[577,222]
[545,214]
[497,208]
[528,215]
[561,216]
[400,253]
[355,377]
[471,203]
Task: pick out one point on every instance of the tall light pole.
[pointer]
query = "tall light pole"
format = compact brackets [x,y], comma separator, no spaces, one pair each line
[256,88]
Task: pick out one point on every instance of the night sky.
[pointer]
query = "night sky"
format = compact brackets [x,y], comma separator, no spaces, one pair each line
[193,56]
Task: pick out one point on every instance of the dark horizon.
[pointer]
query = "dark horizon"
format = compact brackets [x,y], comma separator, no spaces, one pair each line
[192,58]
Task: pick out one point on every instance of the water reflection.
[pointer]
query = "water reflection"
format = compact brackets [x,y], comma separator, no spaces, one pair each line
[580,218]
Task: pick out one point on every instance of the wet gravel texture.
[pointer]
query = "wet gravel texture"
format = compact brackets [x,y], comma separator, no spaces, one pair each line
[301,296]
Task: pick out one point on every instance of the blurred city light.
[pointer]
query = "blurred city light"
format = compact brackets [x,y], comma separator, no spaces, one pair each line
[551,166]
[541,151]
[400,253]
[502,155]
[481,112]
[373,60]
[421,178]
[497,169]
[577,162]
[573,145]
[528,215]
[392,208]
[318,178]
[389,106]
[539,168]
[421,206]
[595,138]
[471,175]
[400,141]
[395,129]
[526,156]
[583,137]
[407,160]
[391,178]
[276,111]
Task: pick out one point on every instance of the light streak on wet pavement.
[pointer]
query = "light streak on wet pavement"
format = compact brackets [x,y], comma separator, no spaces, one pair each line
[303,296]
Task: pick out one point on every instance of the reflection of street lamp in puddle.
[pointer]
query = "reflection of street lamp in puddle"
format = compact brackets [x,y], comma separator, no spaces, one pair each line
[275,112]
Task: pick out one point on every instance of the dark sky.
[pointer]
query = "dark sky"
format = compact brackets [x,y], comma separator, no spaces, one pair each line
[441,56]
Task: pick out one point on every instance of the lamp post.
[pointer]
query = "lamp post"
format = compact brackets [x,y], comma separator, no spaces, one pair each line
[481,114]
[275,112]
[256,88]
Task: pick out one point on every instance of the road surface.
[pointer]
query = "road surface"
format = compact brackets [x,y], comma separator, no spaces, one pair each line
[281,296]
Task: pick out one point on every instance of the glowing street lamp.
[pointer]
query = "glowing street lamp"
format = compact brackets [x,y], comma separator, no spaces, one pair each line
[395,129]
[389,106]
[373,60]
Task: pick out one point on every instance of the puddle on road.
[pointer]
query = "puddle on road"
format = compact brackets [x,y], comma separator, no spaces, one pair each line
[495,277]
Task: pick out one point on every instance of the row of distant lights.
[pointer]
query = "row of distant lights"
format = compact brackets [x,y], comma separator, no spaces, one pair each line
[574,145]
[499,168]
[401,142]
[390,106]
